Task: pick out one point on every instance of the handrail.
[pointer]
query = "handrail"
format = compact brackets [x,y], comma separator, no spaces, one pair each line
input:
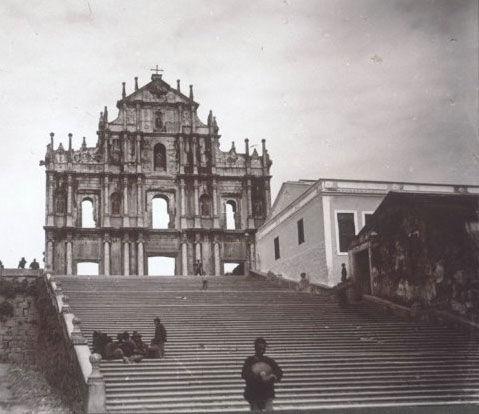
[89,363]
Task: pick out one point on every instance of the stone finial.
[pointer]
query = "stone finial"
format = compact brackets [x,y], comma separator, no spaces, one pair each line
[60,147]
[191,92]
[210,118]
[233,147]
[83,144]
[105,114]
[246,145]
[178,87]
[136,83]
[123,90]
[263,145]
[51,139]
[70,135]
[65,305]
[96,387]
[76,335]
[95,360]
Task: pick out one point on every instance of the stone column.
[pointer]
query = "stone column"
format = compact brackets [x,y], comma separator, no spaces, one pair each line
[49,255]
[267,195]
[197,206]
[184,257]
[181,155]
[252,254]
[69,253]
[69,201]
[250,220]
[106,203]
[216,221]
[126,256]
[197,247]
[183,223]
[126,219]
[50,207]
[138,153]
[194,143]
[216,248]
[141,267]
[139,199]
[106,255]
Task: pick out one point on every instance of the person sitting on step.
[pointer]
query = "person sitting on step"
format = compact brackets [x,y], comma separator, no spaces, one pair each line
[100,340]
[113,351]
[125,344]
[140,349]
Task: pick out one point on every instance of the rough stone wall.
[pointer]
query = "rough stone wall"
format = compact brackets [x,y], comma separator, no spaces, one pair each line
[426,260]
[19,332]
[33,336]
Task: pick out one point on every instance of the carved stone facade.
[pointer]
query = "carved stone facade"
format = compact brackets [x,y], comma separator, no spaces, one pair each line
[157,147]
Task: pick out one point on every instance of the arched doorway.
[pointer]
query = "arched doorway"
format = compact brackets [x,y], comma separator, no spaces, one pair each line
[87,219]
[230,212]
[160,216]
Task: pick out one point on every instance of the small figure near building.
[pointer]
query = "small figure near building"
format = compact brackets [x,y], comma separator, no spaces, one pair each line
[34,265]
[198,268]
[303,283]
[260,374]
[22,263]
[159,339]
[204,279]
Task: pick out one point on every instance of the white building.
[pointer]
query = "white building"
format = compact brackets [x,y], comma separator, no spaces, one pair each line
[311,224]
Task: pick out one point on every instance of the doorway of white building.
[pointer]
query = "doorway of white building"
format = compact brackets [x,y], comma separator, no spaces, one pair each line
[161,266]
[87,269]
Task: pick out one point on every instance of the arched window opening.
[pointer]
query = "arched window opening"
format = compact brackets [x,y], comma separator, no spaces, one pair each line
[230,210]
[87,219]
[87,268]
[161,266]
[159,157]
[115,202]
[160,216]
[205,205]
[60,202]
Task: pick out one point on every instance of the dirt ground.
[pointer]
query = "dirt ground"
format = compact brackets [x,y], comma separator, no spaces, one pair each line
[24,391]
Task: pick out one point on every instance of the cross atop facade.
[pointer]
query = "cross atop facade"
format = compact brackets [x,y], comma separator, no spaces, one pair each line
[157,70]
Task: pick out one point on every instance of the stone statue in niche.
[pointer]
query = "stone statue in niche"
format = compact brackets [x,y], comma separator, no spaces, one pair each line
[132,147]
[159,121]
[186,118]
[202,151]
[115,203]
[130,115]
[60,202]
[115,152]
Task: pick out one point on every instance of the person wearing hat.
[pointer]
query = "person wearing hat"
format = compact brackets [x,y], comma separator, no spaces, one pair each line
[160,338]
[260,374]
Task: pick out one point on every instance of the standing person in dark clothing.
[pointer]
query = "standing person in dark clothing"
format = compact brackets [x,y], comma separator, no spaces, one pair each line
[198,268]
[34,265]
[344,272]
[160,337]
[22,263]
[260,374]
[341,288]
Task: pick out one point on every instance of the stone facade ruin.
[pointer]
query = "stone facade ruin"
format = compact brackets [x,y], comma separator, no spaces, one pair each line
[157,148]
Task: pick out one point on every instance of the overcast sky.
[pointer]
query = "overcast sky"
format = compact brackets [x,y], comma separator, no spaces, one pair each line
[363,89]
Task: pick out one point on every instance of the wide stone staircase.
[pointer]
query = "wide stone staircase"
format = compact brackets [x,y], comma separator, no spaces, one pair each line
[332,358]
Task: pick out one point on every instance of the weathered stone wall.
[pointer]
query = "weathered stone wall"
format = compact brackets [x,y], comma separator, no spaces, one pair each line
[33,335]
[426,260]
[19,320]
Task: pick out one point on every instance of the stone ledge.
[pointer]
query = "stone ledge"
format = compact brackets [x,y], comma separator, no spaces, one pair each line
[21,273]
[434,314]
